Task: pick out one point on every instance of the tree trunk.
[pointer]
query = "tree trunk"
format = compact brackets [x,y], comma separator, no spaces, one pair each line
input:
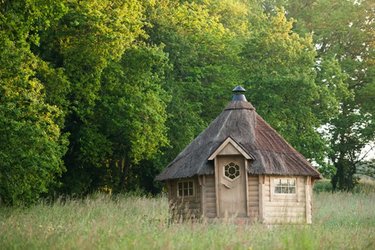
[125,167]
[344,179]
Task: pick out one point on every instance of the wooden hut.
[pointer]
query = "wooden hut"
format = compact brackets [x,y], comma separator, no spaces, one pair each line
[240,167]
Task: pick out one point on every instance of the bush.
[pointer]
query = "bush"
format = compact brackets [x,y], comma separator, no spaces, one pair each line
[323,185]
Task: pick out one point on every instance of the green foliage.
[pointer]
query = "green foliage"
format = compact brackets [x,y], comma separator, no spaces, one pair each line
[333,88]
[365,186]
[202,43]
[279,68]
[367,168]
[88,36]
[347,34]
[114,105]
[78,63]
[132,111]
[133,102]
[31,144]
[343,34]
[323,185]
[126,85]
[127,125]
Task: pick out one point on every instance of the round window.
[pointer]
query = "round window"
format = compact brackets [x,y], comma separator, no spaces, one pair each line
[232,171]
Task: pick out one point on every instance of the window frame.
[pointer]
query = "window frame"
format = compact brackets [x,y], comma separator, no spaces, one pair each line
[230,165]
[277,181]
[188,188]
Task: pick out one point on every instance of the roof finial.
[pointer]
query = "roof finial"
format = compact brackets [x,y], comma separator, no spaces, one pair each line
[238,94]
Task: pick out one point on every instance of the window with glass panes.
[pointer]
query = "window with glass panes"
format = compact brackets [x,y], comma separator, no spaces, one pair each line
[285,185]
[185,188]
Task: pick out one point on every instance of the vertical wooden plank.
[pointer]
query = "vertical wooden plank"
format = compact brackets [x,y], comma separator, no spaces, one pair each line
[217,187]
[271,187]
[297,181]
[247,189]
[169,186]
[170,196]
[203,195]
[197,188]
[264,196]
[261,215]
[308,199]
[311,196]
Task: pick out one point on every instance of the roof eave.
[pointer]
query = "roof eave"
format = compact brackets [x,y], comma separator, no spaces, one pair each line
[235,145]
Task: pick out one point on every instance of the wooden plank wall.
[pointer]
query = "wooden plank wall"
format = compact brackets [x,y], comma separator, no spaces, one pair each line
[210,196]
[289,208]
[185,208]
[276,208]
[253,197]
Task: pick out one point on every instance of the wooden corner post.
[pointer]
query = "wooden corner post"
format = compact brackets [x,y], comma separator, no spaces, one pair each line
[261,198]
[247,188]
[217,187]
[308,200]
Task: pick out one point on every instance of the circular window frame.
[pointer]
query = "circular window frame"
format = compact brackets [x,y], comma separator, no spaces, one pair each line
[234,165]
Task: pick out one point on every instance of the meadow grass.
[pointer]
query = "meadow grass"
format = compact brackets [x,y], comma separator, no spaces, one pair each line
[340,221]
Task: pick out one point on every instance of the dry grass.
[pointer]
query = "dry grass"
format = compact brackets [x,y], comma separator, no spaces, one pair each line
[340,221]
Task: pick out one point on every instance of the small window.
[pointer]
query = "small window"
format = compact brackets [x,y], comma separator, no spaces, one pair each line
[232,171]
[185,188]
[285,185]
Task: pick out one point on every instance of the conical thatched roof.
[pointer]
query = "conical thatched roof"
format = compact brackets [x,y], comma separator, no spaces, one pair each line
[239,121]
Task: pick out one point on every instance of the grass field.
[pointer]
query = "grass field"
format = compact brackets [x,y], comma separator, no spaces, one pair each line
[340,221]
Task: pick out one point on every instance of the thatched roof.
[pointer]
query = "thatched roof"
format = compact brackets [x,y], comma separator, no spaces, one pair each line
[239,121]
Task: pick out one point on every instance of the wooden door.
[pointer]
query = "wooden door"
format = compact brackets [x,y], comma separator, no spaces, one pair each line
[232,186]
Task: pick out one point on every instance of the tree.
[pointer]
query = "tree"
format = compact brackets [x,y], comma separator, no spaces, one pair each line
[367,168]
[127,126]
[262,52]
[202,47]
[279,67]
[343,33]
[89,37]
[132,114]
[31,143]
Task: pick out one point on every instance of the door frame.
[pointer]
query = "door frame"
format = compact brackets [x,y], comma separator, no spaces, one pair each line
[217,183]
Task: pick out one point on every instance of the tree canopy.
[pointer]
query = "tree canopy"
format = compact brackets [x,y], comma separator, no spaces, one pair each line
[343,33]
[101,95]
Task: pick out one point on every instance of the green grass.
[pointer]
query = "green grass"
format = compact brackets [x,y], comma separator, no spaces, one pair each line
[366,186]
[340,221]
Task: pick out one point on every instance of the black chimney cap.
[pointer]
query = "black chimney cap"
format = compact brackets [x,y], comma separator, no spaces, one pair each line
[239,89]
[238,94]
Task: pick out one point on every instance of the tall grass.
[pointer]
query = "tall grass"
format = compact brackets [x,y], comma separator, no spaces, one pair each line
[340,221]
[364,186]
